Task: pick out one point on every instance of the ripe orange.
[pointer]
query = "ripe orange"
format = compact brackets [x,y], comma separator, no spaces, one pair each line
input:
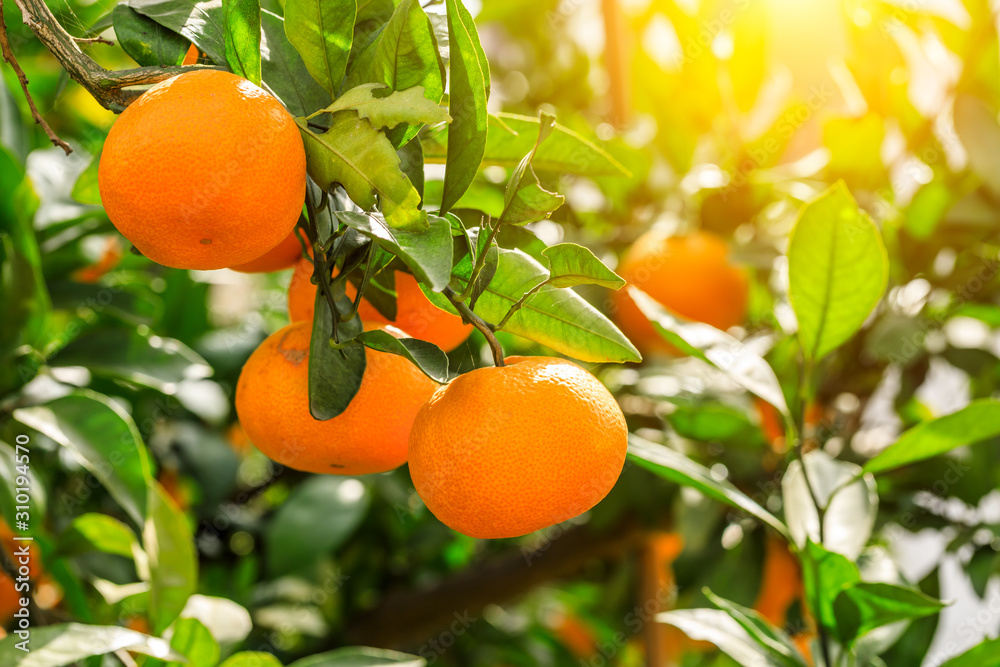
[502,452]
[272,402]
[205,170]
[278,258]
[191,57]
[690,275]
[415,314]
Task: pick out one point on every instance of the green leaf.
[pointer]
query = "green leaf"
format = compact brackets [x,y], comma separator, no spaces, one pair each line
[318,517]
[774,640]
[402,106]
[86,189]
[322,31]
[719,628]
[251,659]
[677,468]
[360,656]
[146,41]
[406,56]
[428,254]
[411,163]
[849,499]
[978,421]
[99,532]
[837,270]
[469,73]
[173,562]
[193,640]
[511,137]
[9,473]
[571,264]
[285,74]
[201,23]
[558,318]
[825,574]
[978,130]
[103,437]
[143,359]
[428,357]
[334,375]
[865,606]
[741,364]
[977,656]
[242,35]
[355,155]
[525,200]
[65,644]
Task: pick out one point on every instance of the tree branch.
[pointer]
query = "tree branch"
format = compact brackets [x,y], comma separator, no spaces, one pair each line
[8,55]
[110,88]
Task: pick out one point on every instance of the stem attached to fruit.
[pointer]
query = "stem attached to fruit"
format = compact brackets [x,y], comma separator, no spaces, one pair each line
[485,327]
[111,88]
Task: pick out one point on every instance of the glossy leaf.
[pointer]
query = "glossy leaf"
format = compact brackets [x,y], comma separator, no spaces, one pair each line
[978,421]
[825,574]
[283,71]
[717,627]
[510,138]
[360,656]
[774,640]
[571,264]
[718,348]
[322,31]
[334,375]
[677,468]
[67,643]
[98,432]
[193,640]
[99,532]
[173,562]
[850,500]
[201,23]
[355,155]
[318,517]
[428,357]
[865,606]
[525,200]
[146,41]
[977,656]
[391,108]
[469,80]
[242,34]
[837,270]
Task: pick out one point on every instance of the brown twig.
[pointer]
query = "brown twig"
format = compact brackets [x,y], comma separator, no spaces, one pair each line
[484,327]
[8,55]
[93,40]
[112,89]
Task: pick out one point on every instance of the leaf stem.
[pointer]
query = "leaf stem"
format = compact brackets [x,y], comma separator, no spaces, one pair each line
[480,263]
[322,271]
[485,327]
[520,302]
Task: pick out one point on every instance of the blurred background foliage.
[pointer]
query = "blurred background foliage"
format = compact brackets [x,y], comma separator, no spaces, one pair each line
[729,115]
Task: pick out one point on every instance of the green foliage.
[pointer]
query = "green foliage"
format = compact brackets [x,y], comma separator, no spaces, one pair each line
[322,32]
[242,22]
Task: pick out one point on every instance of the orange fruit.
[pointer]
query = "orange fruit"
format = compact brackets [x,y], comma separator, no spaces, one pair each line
[780,582]
[415,314]
[690,275]
[503,452]
[191,57]
[272,402]
[110,256]
[280,257]
[205,170]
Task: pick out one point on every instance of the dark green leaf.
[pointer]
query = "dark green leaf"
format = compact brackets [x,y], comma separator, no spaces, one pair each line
[334,375]
[146,41]
[865,606]
[469,73]
[678,468]
[428,254]
[322,32]
[58,645]
[173,563]
[105,440]
[571,264]
[242,35]
[317,518]
[201,23]
[978,421]
[837,270]
[285,74]
[429,358]
[411,162]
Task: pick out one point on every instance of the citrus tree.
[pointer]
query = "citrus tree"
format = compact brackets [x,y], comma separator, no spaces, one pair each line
[206,467]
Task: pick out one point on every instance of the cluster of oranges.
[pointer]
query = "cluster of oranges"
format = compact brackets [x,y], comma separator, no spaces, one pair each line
[496,452]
